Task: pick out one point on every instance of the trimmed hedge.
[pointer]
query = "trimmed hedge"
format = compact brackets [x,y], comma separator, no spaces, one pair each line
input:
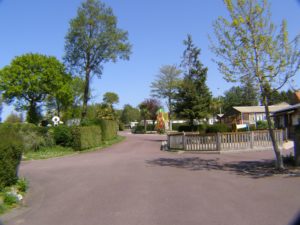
[86,137]
[63,135]
[218,127]
[11,147]
[109,129]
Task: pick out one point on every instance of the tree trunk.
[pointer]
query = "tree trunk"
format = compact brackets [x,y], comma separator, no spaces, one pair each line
[297,147]
[170,113]
[32,113]
[279,161]
[85,94]
[145,125]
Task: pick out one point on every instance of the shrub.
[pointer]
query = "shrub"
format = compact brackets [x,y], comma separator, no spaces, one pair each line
[86,137]
[262,125]
[10,199]
[63,135]
[138,129]
[109,129]
[11,146]
[187,128]
[218,127]
[22,185]
[121,126]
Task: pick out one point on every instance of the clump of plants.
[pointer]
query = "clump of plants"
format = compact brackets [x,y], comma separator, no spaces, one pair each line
[12,196]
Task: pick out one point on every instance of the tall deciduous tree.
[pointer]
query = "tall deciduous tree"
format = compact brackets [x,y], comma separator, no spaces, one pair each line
[193,98]
[110,98]
[29,79]
[248,46]
[166,85]
[92,40]
[148,110]
[130,114]
[1,107]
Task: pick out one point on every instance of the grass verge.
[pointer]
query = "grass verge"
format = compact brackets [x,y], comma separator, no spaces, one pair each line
[11,197]
[58,151]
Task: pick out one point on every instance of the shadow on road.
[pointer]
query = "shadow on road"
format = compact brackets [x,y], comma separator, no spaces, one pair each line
[253,169]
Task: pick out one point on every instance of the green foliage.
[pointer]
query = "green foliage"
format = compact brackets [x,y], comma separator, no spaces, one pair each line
[218,127]
[10,199]
[11,146]
[106,112]
[110,98]
[121,126]
[29,79]
[63,136]
[109,129]
[92,40]
[22,185]
[130,114]
[166,85]
[187,128]
[193,98]
[48,152]
[239,96]
[13,118]
[86,137]
[149,108]
[140,129]
[262,125]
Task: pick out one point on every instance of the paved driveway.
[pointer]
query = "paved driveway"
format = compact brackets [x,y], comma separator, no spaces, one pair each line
[134,183]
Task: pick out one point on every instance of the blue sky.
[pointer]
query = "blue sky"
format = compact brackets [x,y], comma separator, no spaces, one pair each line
[156,30]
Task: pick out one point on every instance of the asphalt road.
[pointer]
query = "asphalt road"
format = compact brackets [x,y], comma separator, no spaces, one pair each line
[134,183]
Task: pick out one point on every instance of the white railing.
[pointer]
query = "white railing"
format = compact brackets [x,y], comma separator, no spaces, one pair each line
[224,142]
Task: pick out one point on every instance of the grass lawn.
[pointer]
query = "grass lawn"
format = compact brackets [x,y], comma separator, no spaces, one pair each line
[58,151]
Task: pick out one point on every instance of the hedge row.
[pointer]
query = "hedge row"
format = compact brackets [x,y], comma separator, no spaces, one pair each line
[86,137]
[11,147]
[202,128]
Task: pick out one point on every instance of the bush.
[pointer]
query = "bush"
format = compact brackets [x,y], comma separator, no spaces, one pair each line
[11,146]
[121,126]
[63,136]
[10,199]
[262,125]
[187,128]
[86,137]
[175,126]
[218,127]
[33,137]
[22,185]
[140,129]
[109,129]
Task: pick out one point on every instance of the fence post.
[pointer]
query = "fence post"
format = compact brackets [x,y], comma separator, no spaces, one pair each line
[184,141]
[169,144]
[251,139]
[218,141]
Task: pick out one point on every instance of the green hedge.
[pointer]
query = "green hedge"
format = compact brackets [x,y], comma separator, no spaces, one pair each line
[11,147]
[109,129]
[63,135]
[218,127]
[86,137]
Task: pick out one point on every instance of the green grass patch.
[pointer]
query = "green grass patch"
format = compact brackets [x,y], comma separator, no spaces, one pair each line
[48,152]
[59,151]
[10,196]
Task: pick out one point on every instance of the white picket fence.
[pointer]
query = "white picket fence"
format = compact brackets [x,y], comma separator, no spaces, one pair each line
[224,142]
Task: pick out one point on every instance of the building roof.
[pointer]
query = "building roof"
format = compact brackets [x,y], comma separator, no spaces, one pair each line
[261,109]
[289,108]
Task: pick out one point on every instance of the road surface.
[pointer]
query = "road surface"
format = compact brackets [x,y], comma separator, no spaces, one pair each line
[134,183]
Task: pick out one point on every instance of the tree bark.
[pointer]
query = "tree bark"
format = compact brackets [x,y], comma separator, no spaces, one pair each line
[279,161]
[297,147]
[170,113]
[85,94]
